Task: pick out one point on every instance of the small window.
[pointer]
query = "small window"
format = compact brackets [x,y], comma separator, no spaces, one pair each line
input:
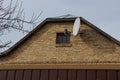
[62,38]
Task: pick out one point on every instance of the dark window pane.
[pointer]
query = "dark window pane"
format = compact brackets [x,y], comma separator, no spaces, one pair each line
[62,38]
[68,39]
[59,38]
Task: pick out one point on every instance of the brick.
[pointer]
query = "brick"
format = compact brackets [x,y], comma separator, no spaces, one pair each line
[90,46]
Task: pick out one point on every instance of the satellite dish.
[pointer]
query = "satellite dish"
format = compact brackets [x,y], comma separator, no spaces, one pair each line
[76,26]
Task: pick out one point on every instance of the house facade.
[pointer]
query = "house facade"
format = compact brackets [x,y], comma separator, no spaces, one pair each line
[51,52]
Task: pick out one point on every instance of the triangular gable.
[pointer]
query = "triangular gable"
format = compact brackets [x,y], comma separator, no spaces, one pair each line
[40,26]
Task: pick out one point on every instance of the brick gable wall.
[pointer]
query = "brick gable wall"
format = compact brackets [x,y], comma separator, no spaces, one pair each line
[41,48]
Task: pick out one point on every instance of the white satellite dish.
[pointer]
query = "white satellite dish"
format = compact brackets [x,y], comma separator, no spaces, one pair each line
[76,26]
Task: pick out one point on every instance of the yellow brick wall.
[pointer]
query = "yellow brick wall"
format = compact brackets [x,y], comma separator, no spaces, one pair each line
[41,48]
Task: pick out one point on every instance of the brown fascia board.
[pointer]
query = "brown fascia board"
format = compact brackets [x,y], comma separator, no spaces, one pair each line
[5,53]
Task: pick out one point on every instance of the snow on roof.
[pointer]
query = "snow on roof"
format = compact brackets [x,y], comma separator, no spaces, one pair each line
[66,16]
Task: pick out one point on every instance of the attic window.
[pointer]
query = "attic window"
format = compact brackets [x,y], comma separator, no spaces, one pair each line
[62,38]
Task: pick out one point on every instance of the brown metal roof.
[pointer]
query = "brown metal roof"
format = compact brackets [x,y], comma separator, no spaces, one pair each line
[59,74]
[56,20]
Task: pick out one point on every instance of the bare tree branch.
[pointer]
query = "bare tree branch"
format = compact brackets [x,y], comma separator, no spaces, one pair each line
[13,17]
[5,45]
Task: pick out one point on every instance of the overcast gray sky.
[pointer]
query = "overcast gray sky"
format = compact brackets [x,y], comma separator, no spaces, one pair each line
[103,13]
